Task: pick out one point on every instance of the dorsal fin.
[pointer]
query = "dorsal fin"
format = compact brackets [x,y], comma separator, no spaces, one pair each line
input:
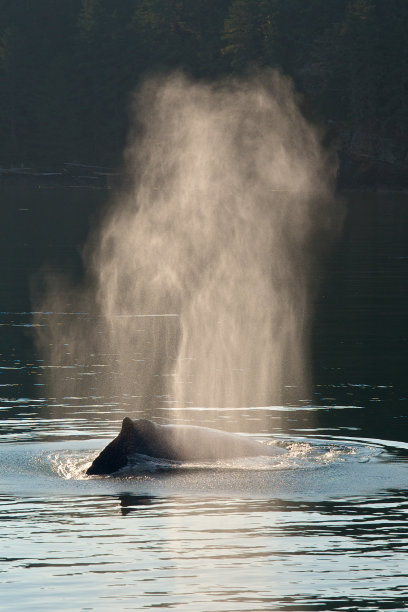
[127,426]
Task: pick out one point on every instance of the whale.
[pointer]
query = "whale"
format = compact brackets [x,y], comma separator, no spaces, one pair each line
[182,443]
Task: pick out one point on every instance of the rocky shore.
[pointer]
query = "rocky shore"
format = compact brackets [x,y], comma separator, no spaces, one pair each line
[368,160]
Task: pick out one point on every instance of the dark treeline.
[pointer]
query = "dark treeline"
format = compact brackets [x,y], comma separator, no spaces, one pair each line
[68,67]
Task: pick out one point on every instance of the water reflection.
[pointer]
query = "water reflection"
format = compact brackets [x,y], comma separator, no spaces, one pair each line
[210,553]
[131,503]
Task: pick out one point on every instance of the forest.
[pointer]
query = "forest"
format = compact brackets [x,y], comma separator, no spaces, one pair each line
[68,69]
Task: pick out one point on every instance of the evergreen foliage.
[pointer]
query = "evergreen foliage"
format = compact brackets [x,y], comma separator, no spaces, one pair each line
[68,67]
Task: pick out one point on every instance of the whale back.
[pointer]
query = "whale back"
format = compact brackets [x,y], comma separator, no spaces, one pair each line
[193,443]
[175,443]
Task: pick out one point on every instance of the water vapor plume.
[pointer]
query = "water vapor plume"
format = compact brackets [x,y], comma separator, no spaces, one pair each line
[219,237]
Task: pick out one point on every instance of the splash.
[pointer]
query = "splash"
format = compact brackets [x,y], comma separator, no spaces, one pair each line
[300,455]
[200,277]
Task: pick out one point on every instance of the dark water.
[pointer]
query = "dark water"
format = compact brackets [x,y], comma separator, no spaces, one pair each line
[324,528]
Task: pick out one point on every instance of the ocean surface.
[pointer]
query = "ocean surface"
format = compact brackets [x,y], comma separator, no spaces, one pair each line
[322,527]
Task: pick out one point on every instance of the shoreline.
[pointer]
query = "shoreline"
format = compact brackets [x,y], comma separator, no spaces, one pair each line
[68,175]
[350,178]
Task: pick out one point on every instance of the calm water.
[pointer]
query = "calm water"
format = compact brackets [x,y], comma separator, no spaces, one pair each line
[324,528]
